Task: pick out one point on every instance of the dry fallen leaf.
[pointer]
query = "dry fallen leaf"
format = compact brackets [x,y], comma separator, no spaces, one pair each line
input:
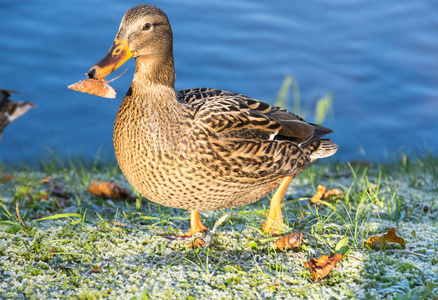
[52,250]
[7,177]
[323,194]
[197,243]
[94,87]
[109,189]
[383,240]
[66,269]
[318,195]
[55,190]
[46,179]
[322,266]
[333,193]
[291,240]
[18,215]
[95,270]
[44,197]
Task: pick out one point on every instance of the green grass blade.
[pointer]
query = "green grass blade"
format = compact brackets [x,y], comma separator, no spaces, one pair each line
[323,108]
[283,93]
[59,216]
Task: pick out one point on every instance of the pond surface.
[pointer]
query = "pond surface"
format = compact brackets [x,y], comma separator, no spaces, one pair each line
[379,59]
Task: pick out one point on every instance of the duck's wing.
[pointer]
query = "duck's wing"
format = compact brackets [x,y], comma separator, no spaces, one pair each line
[238,116]
[250,137]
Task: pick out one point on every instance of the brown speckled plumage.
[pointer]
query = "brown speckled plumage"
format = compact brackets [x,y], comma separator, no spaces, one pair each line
[11,110]
[201,149]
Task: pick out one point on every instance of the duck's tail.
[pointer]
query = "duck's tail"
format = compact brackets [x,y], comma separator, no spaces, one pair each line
[326,148]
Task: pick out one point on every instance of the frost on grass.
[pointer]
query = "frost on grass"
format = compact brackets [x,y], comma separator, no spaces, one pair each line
[84,255]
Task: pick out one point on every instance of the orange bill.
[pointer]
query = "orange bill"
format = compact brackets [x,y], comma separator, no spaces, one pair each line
[116,56]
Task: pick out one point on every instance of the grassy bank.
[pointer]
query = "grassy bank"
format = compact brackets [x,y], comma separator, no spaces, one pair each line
[68,243]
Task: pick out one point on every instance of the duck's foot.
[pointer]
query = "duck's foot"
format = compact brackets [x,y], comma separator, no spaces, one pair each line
[196,225]
[274,221]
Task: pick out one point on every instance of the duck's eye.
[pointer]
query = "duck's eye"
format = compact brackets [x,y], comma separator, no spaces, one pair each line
[147,26]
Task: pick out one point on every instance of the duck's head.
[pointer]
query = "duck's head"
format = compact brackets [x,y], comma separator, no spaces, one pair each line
[144,34]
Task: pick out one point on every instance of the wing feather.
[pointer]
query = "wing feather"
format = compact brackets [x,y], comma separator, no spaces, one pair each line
[249,137]
[226,113]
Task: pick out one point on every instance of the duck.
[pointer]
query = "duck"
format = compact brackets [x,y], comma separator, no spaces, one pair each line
[11,110]
[200,149]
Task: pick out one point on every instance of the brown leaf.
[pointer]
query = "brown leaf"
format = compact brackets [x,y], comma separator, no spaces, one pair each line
[66,269]
[55,190]
[52,250]
[43,197]
[30,198]
[197,243]
[46,179]
[291,240]
[333,193]
[109,189]
[322,266]
[18,214]
[7,177]
[318,195]
[383,240]
[94,87]
[58,192]
[95,270]
[322,194]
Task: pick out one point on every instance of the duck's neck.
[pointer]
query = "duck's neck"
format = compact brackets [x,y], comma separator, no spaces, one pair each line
[152,91]
[152,70]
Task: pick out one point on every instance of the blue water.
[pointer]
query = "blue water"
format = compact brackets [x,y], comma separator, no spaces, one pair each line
[379,58]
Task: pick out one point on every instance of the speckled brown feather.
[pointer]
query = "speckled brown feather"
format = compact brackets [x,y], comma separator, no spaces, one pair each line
[203,149]
[11,110]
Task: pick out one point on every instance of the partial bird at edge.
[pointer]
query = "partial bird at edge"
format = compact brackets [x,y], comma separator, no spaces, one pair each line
[11,110]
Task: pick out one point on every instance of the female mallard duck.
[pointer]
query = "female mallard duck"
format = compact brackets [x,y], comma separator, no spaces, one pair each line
[201,148]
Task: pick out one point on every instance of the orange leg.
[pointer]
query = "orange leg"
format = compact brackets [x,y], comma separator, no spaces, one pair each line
[274,221]
[195,224]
